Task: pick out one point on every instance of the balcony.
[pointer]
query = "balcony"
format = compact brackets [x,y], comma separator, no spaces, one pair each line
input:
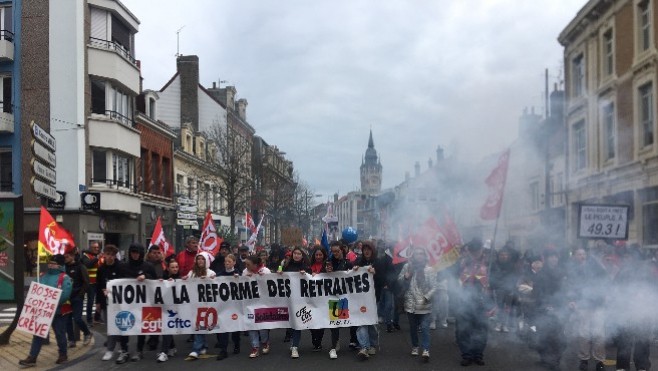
[112,61]
[117,196]
[6,46]
[6,119]
[114,131]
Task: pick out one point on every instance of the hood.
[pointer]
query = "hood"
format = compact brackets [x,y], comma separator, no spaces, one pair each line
[209,258]
[138,248]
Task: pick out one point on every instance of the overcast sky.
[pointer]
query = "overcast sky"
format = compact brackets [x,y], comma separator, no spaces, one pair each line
[319,74]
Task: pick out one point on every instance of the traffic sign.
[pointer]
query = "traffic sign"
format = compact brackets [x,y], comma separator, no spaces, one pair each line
[44,172]
[44,154]
[43,189]
[43,136]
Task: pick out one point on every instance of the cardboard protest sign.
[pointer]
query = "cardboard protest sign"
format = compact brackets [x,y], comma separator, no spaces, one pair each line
[39,309]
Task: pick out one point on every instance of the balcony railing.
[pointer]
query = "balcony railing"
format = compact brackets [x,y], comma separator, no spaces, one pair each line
[112,46]
[125,120]
[117,184]
[7,35]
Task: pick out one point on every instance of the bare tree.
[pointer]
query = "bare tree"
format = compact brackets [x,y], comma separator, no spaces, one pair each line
[232,164]
[277,192]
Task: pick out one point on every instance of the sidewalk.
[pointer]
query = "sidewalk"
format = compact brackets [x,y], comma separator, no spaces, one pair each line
[19,346]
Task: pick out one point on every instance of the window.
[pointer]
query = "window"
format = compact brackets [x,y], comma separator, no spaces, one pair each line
[5,99]
[609,130]
[646,114]
[98,96]
[152,108]
[156,184]
[644,20]
[7,24]
[556,190]
[6,180]
[142,170]
[649,197]
[190,188]
[99,166]
[608,54]
[180,179]
[166,182]
[580,145]
[207,198]
[578,73]
[121,35]
[121,170]
[534,196]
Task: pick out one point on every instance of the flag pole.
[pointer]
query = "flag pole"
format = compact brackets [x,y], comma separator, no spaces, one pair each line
[502,200]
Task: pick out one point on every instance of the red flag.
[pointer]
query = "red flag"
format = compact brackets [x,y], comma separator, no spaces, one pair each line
[431,237]
[52,237]
[158,238]
[209,240]
[496,183]
[251,226]
[451,231]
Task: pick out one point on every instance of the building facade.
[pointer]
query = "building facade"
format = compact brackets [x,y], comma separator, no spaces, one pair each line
[610,51]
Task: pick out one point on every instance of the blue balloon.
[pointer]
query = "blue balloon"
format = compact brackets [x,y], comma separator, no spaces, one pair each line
[350,235]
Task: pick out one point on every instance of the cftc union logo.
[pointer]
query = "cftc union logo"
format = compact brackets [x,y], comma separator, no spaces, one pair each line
[339,310]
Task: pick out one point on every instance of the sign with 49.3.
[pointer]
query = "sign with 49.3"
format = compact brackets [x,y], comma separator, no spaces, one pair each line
[603,222]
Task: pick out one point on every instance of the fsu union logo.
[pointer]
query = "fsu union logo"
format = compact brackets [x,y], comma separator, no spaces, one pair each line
[339,309]
[124,320]
[151,320]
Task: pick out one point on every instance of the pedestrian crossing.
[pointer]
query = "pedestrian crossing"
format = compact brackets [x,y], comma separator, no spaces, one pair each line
[7,315]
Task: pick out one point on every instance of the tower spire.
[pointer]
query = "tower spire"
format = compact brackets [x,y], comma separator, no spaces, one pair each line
[371,143]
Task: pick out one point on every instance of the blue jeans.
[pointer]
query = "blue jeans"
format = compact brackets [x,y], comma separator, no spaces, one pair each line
[386,305]
[199,343]
[76,316]
[422,320]
[258,336]
[368,336]
[296,337]
[59,326]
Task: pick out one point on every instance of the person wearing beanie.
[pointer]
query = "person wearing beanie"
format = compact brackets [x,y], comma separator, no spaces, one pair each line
[55,276]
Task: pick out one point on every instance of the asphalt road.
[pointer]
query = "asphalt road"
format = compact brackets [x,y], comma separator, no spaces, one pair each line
[505,351]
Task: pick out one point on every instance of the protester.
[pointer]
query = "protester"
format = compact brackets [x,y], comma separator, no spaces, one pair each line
[504,277]
[368,335]
[92,259]
[55,276]
[80,279]
[186,257]
[168,348]
[217,264]
[586,284]
[222,338]
[260,339]
[139,269]
[419,282]
[474,304]
[156,259]
[318,266]
[111,269]
[298,263]
[336,263]
[200,270]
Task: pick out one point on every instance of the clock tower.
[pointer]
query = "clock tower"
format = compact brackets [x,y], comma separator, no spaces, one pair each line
[371,170]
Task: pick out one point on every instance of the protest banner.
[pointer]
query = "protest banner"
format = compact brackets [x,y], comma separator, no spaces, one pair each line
[228,304]
[39,309]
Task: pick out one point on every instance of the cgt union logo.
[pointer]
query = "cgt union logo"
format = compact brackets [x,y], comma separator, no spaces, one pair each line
[151,320]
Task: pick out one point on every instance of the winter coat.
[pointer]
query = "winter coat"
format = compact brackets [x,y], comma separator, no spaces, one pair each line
[586,284]
[107,273]
[51,278]
[418,295]
[80,278]
[294,266]
[185,261]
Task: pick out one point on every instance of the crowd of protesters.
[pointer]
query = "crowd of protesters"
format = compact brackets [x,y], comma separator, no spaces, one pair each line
[533,294]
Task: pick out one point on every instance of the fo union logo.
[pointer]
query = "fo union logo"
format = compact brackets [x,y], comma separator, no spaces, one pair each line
[151,320]
[124,320]
[339,309]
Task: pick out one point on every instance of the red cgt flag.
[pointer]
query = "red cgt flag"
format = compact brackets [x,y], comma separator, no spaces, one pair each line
[249,221]
[209,241]
[158,238]
[496,183]
[52,237]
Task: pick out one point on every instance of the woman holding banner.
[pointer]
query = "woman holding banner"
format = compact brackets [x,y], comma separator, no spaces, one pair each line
[222,338]
[254,266]
[298,263]
[55,276]
[337,262]
[200,270]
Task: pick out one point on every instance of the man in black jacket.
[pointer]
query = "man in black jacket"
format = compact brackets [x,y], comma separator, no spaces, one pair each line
[78,274]
[111,269]
[141,270]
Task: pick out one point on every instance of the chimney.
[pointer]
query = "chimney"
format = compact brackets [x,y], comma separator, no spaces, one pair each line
[417,169]
[242,109]
[439,154]
[188,69]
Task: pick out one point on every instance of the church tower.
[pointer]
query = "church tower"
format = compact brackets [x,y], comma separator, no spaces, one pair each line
[371,170]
